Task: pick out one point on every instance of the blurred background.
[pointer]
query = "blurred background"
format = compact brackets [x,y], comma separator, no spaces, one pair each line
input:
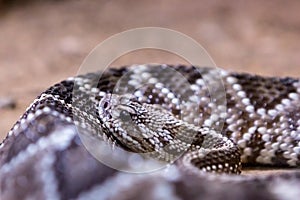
[43,42]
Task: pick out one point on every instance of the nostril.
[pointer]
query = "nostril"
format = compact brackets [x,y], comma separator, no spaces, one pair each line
[105,105]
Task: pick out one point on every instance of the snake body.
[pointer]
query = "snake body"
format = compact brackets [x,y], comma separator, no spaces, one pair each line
[168,113]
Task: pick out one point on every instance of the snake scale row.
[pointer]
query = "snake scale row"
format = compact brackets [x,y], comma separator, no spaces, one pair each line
[181,116]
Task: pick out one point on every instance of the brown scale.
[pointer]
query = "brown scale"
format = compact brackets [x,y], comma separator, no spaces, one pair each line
[230,103]
[36,128]
[108,79]
[256,143]
[43,125]
[192,73]
[106,84]
[279,160]
[204,113]
[293,116]
[215,157]
[154,96]
[69,169]
[63,89]
[84,103]
[265,92]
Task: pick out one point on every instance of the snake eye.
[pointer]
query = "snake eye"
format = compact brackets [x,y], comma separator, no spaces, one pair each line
[125,116]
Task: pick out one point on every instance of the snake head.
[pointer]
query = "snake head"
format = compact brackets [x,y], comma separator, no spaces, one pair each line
[121,117]
[143,128]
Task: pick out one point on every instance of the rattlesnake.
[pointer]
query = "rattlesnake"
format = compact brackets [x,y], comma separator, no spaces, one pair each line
[165,112]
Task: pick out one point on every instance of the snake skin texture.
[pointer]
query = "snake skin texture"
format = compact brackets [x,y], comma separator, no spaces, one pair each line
[169,113]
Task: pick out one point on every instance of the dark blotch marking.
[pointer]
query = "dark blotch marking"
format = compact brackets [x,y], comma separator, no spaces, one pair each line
[265,92]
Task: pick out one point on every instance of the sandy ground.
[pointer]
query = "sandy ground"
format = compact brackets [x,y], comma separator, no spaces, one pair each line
[44,42]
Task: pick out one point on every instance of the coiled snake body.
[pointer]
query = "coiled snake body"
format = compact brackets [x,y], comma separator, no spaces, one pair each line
[168,113]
